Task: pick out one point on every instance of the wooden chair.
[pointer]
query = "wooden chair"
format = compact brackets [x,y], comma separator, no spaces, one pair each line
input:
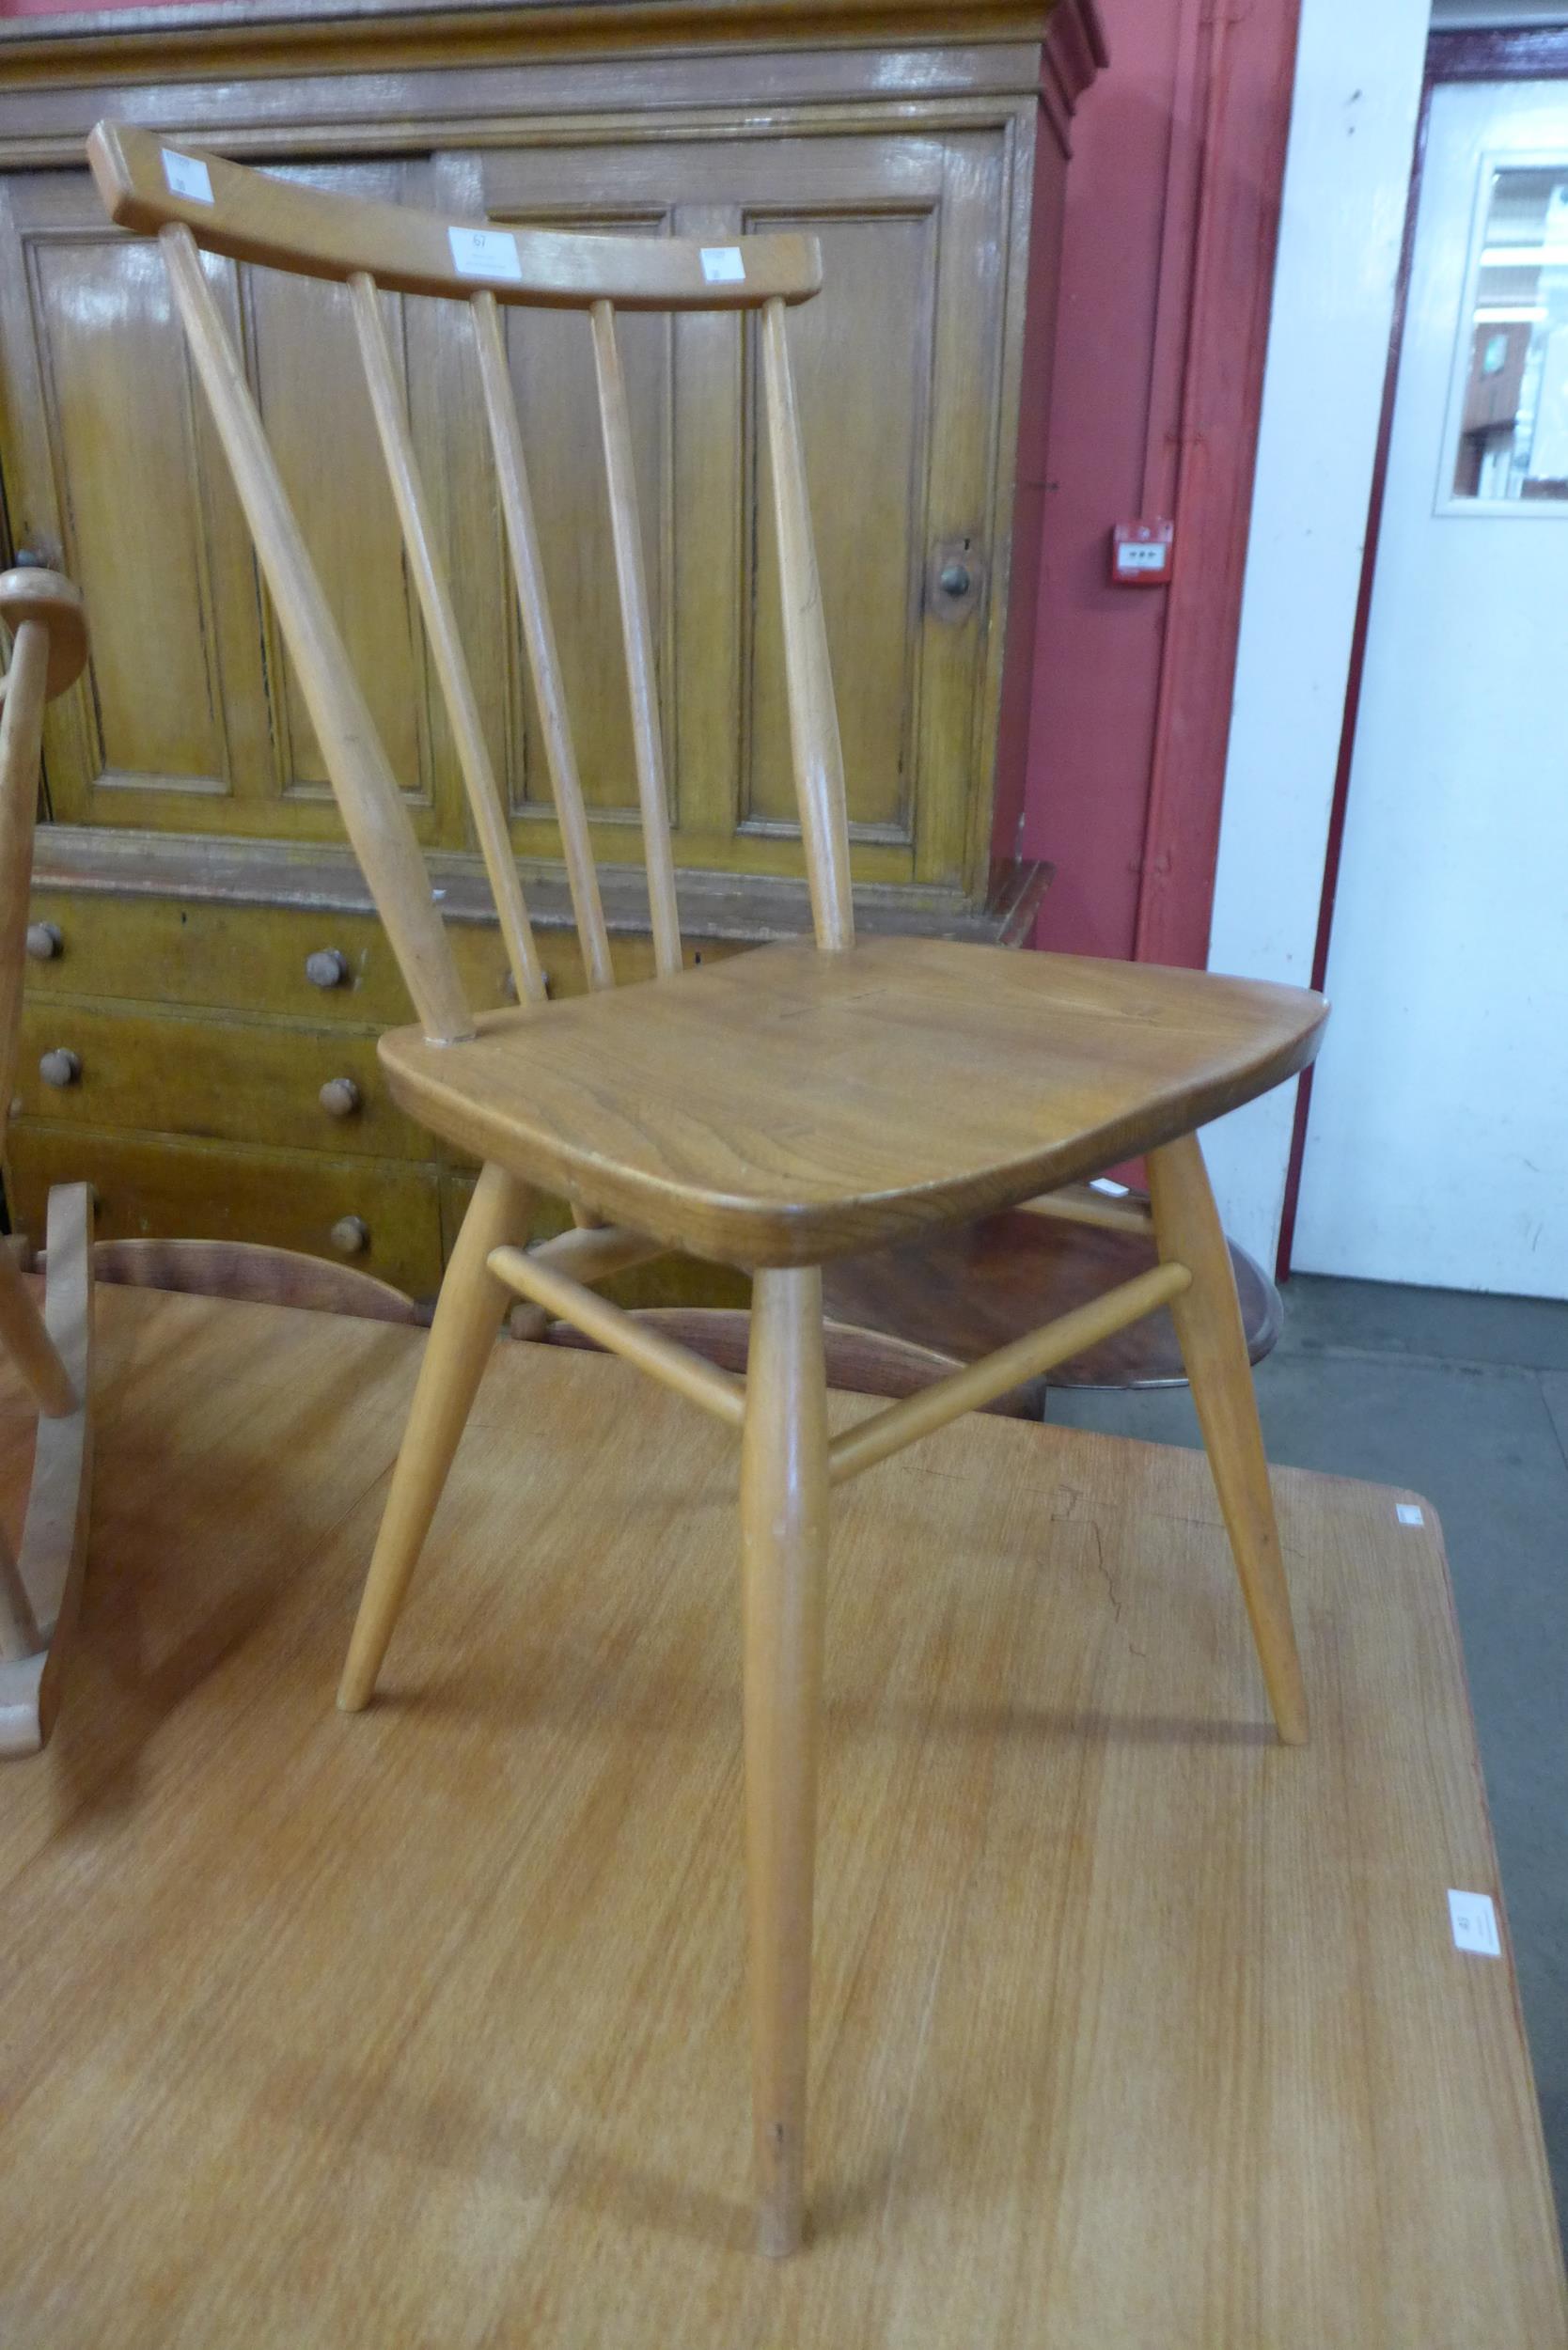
[40,1587]
[773,1111]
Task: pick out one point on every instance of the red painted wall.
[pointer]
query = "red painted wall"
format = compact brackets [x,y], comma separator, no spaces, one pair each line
[1097,658]
[1172,214]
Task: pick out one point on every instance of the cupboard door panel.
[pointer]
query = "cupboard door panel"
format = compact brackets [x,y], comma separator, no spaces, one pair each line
[310,389]
[190,717]
[112,471]
[551,357]
[968,518]
[156,714]
[550,354]
[192,720]
[898,367]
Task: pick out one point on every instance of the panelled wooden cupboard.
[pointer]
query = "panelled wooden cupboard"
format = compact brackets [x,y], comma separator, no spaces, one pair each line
[207,981]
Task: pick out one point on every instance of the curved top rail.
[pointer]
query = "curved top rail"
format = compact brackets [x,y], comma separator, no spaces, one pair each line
[31,594]
[146,182]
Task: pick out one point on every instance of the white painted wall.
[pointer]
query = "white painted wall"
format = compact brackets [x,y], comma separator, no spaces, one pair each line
[1347,175]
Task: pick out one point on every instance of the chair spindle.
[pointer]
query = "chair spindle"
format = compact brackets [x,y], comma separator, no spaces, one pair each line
[435,602]
[539,636]
[637,630]
[814,745]
[378,823]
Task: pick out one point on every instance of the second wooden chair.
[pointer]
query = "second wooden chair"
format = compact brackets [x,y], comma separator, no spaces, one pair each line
[40,1588]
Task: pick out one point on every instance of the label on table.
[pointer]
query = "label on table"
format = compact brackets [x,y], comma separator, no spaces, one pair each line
[486,253]
[721,264]
[187,176]
[1475,1923]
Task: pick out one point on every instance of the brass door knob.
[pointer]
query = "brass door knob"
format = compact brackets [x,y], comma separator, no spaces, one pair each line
[350,1236]
[326,967]
[59,1067]
[44,941]
[339,1097]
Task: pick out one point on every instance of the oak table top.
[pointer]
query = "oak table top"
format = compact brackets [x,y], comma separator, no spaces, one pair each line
[1134,2028]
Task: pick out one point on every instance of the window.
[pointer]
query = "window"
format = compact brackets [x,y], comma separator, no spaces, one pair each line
[1512,384]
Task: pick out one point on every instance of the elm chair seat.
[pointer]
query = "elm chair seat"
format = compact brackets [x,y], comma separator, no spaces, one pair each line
[785,1107]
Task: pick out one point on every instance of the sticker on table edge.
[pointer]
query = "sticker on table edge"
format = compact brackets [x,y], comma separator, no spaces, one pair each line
[1473,1920]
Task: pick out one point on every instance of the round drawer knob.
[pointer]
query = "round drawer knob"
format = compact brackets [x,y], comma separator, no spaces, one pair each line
[339,1097]
[44,941]
[326,967]
[60,1067]
[953,579]
[350,1236]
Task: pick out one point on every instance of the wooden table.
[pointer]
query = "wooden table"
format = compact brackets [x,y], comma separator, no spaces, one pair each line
[1134,2030]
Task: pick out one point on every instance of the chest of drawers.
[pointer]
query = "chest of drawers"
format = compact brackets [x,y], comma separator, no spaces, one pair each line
[191,858]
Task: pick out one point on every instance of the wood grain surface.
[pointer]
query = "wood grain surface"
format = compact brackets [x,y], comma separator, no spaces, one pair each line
[1131,2027]
[788,1106]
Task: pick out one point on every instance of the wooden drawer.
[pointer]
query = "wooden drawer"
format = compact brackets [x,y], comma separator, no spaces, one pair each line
[252,958]
[220,1078]
[182,1189]
[164,950]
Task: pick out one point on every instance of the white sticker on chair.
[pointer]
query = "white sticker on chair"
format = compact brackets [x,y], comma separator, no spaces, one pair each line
[486,253]
[187,176]
[1409,1513]
[721,264]
[1475,1923]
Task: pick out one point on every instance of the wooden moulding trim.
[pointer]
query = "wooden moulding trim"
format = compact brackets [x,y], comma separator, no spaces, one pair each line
[322,878]
[460,32]
[265,111]
[1073,52]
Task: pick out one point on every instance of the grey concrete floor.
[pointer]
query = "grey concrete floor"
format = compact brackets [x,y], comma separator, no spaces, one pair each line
[1464,1399]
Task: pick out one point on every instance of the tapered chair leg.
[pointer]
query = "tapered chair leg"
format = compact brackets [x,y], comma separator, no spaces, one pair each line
[467,1317]
[784,1520]
[1213,1348]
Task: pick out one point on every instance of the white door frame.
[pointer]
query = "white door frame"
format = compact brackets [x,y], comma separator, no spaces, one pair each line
[1346,194]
